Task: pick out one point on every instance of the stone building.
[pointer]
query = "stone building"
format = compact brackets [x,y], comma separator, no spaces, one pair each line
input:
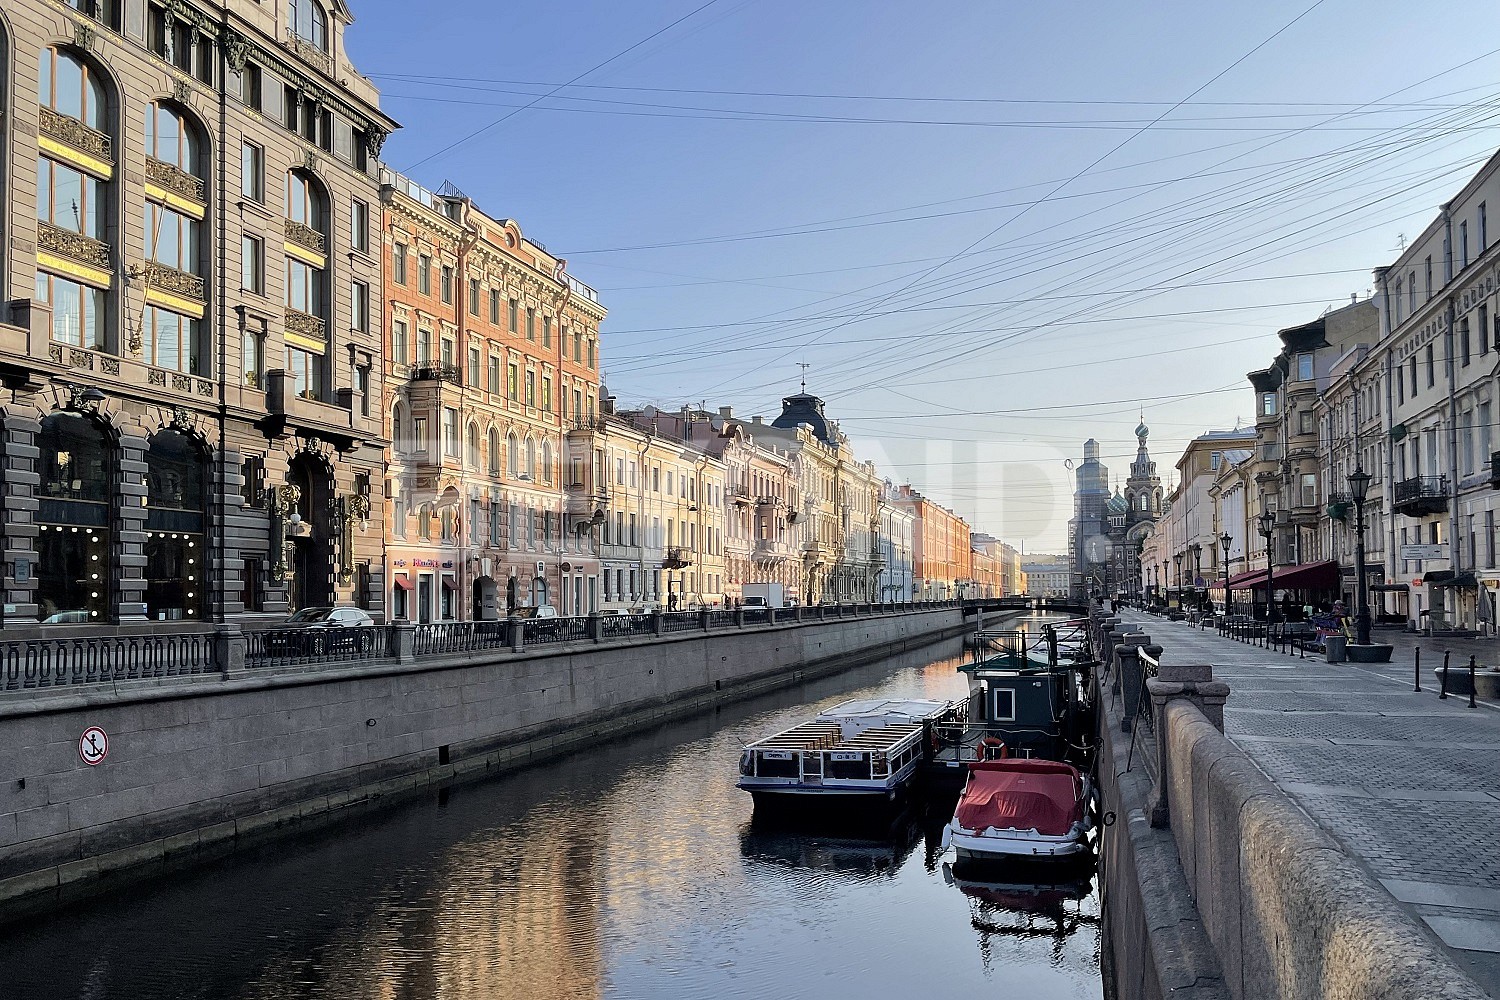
[1088,544]
[491,365]
[942,552]
[894,541]
[191,341]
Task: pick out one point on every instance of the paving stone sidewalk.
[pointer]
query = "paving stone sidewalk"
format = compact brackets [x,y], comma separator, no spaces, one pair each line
[1406,782]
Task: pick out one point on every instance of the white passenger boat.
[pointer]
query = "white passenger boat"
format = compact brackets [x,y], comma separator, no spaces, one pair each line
[1021,809]
[864,750]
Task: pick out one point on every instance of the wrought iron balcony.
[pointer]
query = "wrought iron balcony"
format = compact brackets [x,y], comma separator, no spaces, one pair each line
[739,496]
[677,558]
[1420,495]
[437,373]
[767,501]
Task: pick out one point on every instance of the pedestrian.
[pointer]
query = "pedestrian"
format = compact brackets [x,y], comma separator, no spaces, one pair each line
[671,602]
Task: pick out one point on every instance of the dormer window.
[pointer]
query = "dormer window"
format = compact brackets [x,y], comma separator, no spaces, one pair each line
[307,21]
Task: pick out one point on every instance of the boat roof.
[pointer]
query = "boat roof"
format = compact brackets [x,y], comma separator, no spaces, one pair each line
[891,709]
[820,735]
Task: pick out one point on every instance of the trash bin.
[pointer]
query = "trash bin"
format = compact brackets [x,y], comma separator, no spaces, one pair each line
[1334,648]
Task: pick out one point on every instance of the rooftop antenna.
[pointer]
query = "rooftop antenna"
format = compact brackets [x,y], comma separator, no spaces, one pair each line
[804,366]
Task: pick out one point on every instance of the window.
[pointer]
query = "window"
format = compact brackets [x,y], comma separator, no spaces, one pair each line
[70,199]
[512,465]
[471,456]
[1485,433]
[419,433]
[473,296]
[306,20]
[359,306]
[1463,342]
[1429,277]
[530,323]
[398,263]
[495,306]
[175,522]
[250,90]
[304,286]
[172,139]
[362,384]
[450,432]
[494,373]
[171,238]
[78,311]
[253,264]
[546,394]
[73,566]
[1463,244]
[1268,404]
[424,274]
[591,353]
[448,352]
[546,331]
[1309,489]
[169,340]
[399,345]
[1304,367]
[1431,368]
[1483,330]
[1484,233]
[474,367]
[359,226]
[512,382]
[303,203]
[1308,424]
[530,387]
[306,369]
[494,447]
[1414,376]
[253,355]
[515,308]
[70,87]
[446,277]
[1466,443]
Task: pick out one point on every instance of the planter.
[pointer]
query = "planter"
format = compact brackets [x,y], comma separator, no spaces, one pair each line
[1458,679]
[1375,652]
[1487,683]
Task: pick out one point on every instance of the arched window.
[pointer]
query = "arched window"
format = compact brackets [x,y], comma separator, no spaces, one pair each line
[175,519]
[174,209]
[73,569]
[547,462]
[471,458]
[306,288]
[306,20]
[531,459]
[73,188]
[512,455]
[424,522]
[494,452]
[173,138]
[305,202]
[399,442]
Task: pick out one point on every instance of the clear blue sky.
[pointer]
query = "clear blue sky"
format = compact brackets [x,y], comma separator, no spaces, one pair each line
[906,197]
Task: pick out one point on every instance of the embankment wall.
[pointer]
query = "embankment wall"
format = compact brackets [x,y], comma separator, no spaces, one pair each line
[203,763]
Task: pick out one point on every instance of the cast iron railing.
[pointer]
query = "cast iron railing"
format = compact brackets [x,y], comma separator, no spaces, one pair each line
[538,631]
[621,626]
[42,663]
[439,638]
[296,646]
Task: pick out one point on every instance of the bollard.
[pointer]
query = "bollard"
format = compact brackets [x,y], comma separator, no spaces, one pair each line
[1473,702]
[1443,677]
[1417,683]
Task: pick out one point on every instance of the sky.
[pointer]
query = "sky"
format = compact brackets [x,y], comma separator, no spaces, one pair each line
[990,230]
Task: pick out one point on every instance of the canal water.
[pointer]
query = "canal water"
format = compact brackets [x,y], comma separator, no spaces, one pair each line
[631,869]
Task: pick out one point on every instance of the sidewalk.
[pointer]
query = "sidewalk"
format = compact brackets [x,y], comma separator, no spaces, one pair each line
[1406,783]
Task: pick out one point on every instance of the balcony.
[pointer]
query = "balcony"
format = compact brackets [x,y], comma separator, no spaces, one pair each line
[306,237]
[768,550]
[75,134]
[169,279]
[584,502]
[739,496]
[676,558]
[437,373]
[175,180]
[766,502]
[1420,495]
[304,324]
[308,51]
[74,246]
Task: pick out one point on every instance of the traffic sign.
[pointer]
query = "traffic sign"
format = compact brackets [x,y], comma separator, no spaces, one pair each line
[93,746]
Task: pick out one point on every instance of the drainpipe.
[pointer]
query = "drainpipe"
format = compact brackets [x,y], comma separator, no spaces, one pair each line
[1388,424]
[1449,316]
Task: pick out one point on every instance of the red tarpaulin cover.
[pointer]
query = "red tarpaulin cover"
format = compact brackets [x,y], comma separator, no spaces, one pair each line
[1039,795]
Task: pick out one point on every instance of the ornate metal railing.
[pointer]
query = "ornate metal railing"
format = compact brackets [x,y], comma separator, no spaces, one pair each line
[169,279]
[679,621]
[438,638]
[306,324]
[621,626]
[538,631]
[294,646]
[756,616]
[75,133]
[176,180]
[74,246]
[44,663]
[721,618]
[436,373]
[305,236]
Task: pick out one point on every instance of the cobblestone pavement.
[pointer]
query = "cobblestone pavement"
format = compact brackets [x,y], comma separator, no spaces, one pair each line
[1408,783]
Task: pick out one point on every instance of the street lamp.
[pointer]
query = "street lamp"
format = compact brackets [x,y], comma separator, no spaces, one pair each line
[1359,486]
[1224,541]
[1267,528]
[1197,551]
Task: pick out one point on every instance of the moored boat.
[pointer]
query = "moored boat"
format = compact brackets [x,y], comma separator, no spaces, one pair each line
[860,751]
[1034,809]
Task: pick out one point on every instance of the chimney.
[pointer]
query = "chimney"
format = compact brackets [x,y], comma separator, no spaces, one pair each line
[755,420]
[1354,298]
[727,412]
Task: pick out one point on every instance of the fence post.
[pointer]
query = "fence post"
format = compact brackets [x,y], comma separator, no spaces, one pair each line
[406,641]
[1417,661]
[1194,683]
[658,623]
[596,627]
[517,634]
[770,616]
[230,646]
[703,618]
[739,617]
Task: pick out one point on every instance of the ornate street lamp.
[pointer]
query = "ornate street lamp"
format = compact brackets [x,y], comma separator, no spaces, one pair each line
[1197,551]
[1224,541]
[1359,486]
[1267,528]
[1178,560]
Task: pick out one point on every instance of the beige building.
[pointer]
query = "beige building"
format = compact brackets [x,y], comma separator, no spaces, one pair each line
[192,341]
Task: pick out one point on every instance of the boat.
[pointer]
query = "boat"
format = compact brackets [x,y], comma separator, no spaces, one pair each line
[861,751]
[1021,809]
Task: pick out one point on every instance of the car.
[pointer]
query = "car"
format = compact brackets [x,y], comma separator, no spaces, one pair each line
[320,632]
[343,617]
[66,618]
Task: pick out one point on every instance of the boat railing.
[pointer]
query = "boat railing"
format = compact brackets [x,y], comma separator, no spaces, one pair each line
[967,740]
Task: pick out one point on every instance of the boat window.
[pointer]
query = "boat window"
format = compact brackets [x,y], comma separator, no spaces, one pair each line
[1004,708]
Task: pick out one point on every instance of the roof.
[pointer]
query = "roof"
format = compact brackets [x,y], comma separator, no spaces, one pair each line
[804,408]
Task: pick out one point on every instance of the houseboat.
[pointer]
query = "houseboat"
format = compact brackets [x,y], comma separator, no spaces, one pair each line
[860,752]
[1021,809]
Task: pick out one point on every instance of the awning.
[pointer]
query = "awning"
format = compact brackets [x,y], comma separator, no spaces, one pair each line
[449,583]
[1306,576]
[403,582]
[1464,581]
[1390,587]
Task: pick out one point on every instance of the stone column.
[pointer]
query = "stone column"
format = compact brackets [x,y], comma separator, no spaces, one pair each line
[230,646]
[658,623]
[1128,673]
[770,616]
[21,479]
[739,617]
[703,619]
[595,629]
[1194,683]
[406,642]
[517,635]
[130,530]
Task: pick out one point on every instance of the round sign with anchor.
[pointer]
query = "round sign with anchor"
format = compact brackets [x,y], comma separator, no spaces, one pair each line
[93,746]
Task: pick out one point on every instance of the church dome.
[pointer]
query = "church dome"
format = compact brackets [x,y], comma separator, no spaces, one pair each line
[1118,504]
[1142,431]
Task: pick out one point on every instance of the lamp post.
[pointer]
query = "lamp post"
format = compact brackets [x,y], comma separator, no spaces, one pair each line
[1224,541]
[1197,551]
[1359,486]
[1178,560]
[1267,528]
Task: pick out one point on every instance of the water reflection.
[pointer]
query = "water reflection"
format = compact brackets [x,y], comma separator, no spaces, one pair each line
[630,870]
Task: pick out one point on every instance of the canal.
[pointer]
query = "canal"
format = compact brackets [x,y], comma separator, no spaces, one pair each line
[631,869]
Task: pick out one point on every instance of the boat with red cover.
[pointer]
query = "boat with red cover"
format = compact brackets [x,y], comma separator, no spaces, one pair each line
[1021,809]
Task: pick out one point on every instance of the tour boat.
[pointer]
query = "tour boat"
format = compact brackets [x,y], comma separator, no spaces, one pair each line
[1032,809]
[860,751]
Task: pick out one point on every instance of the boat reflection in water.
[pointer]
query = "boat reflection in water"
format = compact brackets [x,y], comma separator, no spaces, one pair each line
[859,850]
[1027,911]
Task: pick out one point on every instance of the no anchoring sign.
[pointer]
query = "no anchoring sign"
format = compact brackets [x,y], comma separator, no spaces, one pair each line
[93,746]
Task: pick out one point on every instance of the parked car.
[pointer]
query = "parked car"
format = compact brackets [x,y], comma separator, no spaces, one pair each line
[329,618]
[321,632]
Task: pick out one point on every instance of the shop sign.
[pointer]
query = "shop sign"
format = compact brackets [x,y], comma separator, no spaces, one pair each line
[1438,551]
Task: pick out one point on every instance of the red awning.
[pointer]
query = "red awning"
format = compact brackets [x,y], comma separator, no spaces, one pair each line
[1021,795]
[402,582]
[449,583]
[1307,576]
